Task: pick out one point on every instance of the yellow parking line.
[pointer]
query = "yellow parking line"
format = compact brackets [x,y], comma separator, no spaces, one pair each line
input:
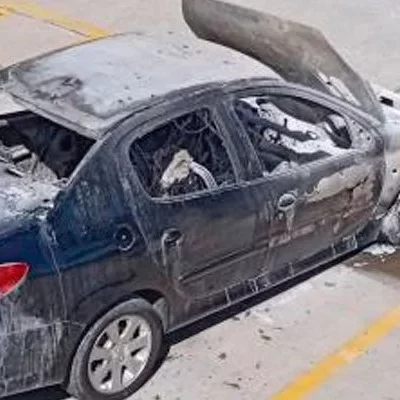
[3,12]
[306,384]
[35,11]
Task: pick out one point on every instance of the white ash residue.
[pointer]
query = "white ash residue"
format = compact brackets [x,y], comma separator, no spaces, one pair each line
[381,250]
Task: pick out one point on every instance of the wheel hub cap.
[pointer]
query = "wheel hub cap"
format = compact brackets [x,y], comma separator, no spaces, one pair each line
[120,354]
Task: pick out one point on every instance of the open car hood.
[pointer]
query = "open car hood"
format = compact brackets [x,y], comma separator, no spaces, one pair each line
[298,53]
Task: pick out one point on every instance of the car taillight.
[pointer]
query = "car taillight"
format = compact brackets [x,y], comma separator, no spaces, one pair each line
[11,276]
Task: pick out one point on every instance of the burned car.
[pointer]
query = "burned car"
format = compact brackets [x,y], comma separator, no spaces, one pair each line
[142,188]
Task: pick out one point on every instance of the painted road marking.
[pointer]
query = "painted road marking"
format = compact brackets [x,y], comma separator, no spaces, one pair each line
[309,382]
[35,11]
[3,12]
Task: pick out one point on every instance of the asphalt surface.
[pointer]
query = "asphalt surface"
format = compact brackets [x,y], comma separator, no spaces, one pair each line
[295,342]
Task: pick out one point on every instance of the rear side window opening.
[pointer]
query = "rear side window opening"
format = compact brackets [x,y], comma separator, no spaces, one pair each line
[30,144]
[183,156]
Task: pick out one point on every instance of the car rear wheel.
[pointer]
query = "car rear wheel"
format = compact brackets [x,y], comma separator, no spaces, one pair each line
[118,354]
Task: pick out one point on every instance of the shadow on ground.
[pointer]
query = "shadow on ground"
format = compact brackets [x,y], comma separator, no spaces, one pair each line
[55,393]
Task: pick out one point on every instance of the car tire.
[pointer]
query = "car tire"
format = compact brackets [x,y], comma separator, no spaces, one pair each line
[118,354]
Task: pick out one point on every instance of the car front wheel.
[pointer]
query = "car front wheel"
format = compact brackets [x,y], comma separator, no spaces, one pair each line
[118,354]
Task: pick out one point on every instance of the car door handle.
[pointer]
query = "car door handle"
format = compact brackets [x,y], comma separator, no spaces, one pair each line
[287,201]
[171,236]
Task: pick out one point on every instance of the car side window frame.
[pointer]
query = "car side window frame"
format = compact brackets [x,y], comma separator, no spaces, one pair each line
[267,91]
[168,115]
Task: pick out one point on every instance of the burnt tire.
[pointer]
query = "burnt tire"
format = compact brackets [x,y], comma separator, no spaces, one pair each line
[118,354]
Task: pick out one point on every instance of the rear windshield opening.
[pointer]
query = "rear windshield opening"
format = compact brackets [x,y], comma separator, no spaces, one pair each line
[34,145]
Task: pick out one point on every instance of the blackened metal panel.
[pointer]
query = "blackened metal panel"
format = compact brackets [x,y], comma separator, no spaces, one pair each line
[217,248]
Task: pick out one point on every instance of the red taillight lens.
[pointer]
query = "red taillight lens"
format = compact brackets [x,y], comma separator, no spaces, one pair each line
[11,276]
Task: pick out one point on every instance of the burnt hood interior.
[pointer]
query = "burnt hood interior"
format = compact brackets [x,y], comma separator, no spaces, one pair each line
[298,53]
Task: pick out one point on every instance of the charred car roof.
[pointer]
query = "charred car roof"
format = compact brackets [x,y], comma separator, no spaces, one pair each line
[91,86]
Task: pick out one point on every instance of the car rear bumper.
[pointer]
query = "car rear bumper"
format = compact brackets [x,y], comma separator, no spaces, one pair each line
[28,356]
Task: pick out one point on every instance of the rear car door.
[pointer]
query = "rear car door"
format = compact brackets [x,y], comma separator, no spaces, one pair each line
[321,168]
[198,221]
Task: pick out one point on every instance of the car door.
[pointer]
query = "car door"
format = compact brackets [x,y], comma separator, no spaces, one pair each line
[201,223]
[321,168]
